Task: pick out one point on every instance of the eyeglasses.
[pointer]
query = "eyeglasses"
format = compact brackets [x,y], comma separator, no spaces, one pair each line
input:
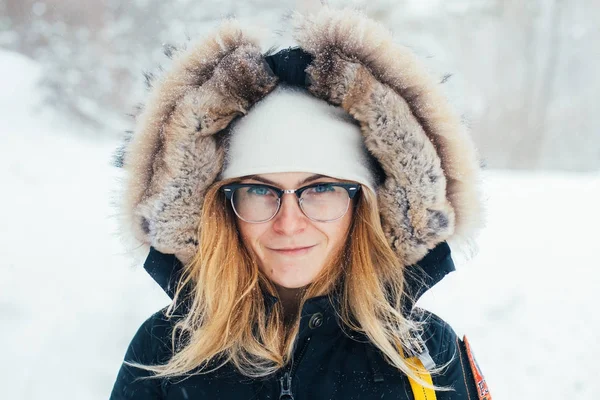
[321,202]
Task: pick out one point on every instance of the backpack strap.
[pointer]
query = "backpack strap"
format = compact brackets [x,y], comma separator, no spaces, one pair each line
[420,392]
[420,363]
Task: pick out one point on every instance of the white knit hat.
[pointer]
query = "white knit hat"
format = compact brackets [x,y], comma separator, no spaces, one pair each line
[290,130]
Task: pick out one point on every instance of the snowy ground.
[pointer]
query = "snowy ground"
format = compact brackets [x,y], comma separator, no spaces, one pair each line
[71,298]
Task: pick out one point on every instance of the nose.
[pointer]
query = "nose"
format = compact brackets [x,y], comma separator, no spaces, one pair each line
[290,219]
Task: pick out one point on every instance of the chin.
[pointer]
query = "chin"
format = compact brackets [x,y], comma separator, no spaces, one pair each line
[290,280]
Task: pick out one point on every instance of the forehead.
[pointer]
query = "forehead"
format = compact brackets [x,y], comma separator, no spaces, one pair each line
[292,179]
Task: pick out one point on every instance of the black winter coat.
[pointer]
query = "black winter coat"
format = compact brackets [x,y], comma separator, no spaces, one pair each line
[327,363]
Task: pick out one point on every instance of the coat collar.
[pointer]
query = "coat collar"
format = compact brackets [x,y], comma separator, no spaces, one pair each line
[166,269]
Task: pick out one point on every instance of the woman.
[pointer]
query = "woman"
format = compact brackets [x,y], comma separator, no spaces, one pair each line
[301,225]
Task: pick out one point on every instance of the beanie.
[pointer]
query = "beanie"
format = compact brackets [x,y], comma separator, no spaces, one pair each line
[291,130]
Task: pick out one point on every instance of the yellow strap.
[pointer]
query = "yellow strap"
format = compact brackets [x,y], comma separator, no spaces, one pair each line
[420,392]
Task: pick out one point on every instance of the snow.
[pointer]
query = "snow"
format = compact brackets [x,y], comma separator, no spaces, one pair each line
[71,296]
[526,300]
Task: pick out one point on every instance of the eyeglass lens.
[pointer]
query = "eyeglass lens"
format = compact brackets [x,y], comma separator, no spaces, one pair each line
[321,203]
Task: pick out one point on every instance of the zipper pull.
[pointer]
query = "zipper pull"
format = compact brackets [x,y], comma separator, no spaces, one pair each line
[286,387]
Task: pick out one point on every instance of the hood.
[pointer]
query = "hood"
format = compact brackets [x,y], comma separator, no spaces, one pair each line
[430,171]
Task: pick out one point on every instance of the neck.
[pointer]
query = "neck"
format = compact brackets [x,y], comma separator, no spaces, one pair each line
[290,301]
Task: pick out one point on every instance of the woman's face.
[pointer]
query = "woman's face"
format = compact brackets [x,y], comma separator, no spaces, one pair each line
[292,249]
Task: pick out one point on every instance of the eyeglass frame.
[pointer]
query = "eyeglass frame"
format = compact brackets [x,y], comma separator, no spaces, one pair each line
[351,188]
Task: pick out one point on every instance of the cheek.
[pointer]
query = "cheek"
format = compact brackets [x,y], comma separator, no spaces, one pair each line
[250,234]
[337,232]
[343,229]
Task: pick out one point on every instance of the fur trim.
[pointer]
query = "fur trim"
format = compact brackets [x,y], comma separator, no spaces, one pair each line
[174,156]
[430,193]
[407,123]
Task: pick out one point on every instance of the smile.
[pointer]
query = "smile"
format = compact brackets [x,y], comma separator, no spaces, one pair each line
[293,251]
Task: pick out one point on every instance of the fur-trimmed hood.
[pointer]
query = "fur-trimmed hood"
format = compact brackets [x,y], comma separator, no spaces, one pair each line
[430,190]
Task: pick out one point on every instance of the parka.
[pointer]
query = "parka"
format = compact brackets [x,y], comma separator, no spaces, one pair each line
[329,362]
[427,194]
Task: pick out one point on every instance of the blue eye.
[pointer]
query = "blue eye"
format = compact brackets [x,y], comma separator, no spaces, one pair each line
[258,190]
[324,188]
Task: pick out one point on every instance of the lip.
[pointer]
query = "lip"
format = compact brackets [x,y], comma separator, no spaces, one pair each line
[293,251]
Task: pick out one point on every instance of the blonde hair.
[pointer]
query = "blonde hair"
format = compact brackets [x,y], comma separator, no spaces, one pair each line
[227,319]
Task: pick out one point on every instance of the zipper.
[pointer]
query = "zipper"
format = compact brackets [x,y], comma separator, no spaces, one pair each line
[286,379]
[286,387]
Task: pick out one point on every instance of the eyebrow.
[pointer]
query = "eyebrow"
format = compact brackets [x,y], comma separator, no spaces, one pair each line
[270,182]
